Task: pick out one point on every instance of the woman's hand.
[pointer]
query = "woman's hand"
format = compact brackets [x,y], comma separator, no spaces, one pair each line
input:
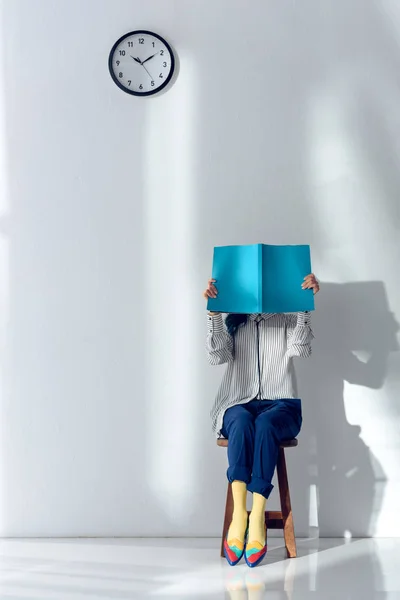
[311,283]
[211,291]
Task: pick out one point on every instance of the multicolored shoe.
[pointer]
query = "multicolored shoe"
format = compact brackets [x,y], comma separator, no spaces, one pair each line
[254,553]
[234,549]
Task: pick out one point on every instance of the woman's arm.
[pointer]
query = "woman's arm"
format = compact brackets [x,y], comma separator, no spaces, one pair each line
[219,343]
[299,334]
[298,327]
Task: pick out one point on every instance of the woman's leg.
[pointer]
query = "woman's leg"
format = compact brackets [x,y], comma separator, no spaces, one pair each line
[238,427]
[279,420]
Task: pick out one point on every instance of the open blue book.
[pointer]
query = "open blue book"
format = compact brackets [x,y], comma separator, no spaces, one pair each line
[261,279]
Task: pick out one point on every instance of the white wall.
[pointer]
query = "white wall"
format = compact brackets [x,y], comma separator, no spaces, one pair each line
[282,127]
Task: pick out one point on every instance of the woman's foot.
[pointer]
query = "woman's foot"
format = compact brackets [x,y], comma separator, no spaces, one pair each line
[256,547]
[238,525]
[235,540]
[257,528]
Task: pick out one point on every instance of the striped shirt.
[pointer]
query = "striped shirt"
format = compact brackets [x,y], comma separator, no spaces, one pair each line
[259,359]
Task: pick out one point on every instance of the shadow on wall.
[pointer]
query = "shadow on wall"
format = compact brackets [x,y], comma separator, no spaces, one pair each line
[252,198]
[352,319]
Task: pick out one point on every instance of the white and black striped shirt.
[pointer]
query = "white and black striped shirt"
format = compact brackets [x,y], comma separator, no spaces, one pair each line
[259,358]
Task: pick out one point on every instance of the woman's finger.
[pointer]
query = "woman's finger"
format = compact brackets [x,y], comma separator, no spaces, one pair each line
[211,291]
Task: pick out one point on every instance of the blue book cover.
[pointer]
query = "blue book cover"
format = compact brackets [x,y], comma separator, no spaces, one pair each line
[261,278]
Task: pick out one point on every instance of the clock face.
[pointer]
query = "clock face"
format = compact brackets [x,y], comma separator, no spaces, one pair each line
[141,63]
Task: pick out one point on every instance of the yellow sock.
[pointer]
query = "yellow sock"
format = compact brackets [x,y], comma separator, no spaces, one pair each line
[257,520]
[238,526]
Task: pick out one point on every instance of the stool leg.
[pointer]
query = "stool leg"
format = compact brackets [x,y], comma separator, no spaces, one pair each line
[286,507]
[227,517]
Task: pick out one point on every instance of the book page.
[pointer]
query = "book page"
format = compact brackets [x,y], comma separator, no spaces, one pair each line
[284,269]
[236,270]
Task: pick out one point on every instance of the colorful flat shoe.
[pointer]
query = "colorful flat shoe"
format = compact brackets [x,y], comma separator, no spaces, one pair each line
[234,549]
[255,552]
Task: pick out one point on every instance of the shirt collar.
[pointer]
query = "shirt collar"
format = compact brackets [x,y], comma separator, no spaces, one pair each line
[265,316]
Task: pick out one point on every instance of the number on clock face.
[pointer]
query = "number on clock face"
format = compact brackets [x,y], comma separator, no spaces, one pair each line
[141,63]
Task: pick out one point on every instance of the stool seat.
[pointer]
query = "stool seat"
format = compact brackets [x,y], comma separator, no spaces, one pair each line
[223,443]
[282,519]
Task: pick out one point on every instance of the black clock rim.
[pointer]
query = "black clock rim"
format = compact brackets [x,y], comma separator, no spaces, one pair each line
[132,92]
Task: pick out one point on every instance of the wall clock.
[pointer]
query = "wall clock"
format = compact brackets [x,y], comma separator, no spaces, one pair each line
[141,63]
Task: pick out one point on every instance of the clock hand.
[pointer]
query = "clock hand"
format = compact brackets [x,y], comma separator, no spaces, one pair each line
[146,71]
[150,57]
[142,63]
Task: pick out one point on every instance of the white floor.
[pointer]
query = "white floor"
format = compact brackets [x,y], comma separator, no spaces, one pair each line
[124,569]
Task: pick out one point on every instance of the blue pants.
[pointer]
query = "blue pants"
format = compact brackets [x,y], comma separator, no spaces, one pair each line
[255,431]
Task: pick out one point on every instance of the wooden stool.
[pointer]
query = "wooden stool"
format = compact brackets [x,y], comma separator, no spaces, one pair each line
[282,519]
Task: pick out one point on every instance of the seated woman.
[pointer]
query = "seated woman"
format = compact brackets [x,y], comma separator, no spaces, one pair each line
[256,408]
